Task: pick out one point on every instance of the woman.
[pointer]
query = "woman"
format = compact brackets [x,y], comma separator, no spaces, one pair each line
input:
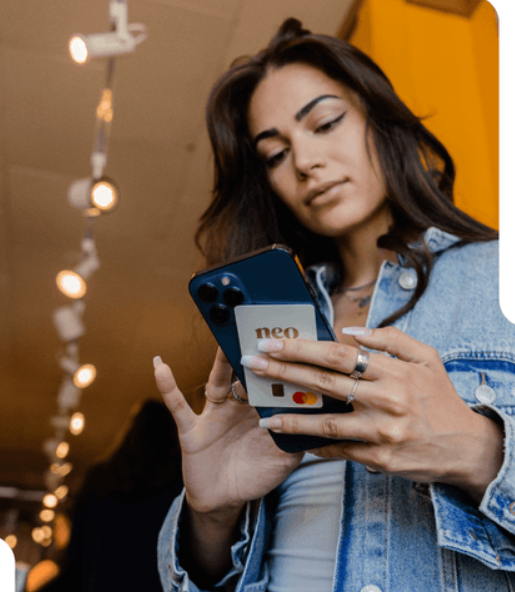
[314,149]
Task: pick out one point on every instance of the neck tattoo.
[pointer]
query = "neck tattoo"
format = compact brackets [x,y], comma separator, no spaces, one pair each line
[362,300]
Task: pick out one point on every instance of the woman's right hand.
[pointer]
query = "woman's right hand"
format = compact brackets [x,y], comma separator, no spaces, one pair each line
[227,459]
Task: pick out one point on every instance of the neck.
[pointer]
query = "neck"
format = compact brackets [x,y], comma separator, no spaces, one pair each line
[360,255]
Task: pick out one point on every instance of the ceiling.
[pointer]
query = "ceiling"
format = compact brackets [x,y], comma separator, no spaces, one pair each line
[137,304]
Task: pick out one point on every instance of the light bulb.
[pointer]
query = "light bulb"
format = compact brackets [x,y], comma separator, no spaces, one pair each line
[71,284]
[104,195]
[85,375]
[50,501]
[46,531]
[62,450]
[78,50]
[11,540]
[37,534]
[61,470]
[47,515]
[61,492]
[77,423]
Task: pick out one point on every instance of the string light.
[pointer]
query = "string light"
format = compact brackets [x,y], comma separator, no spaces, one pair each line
[78,49]
[104,195]
[11,540]
[61,469]
[62,450]
[61,492]
[37,534]
[85,375]
[105,107]
[77,423]
[47,515]
[50,501]
[71,284]
[40,574]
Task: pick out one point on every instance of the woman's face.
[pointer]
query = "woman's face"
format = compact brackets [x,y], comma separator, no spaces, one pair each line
[310,132]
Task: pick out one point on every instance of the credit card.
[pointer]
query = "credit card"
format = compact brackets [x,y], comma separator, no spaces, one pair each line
[255,322]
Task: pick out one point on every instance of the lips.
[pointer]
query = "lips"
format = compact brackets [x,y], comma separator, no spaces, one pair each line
[321,189]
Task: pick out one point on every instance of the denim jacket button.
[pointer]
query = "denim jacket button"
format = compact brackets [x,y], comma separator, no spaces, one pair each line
[371,588]
[408,280]
[485,394]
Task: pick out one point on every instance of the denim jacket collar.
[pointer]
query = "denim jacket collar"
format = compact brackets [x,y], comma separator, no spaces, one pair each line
[324,278]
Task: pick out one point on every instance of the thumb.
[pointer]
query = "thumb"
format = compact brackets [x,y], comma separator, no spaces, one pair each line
[391,341]
[182,413]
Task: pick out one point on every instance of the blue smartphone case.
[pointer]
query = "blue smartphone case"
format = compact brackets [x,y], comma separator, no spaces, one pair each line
[268,276]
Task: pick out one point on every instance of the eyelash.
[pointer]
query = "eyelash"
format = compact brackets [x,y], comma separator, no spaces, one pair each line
[322,129]
[330,124]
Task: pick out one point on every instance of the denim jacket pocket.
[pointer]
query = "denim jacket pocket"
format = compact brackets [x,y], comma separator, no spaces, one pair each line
[486,378]
[486,381]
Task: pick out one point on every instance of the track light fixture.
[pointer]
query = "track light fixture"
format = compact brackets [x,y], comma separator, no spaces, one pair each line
[117,42]
[101,194]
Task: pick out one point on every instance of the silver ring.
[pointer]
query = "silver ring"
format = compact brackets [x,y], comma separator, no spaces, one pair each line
[361,363]
[350,396]
[234,395]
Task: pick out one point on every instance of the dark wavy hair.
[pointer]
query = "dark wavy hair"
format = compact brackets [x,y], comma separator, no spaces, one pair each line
[245,214]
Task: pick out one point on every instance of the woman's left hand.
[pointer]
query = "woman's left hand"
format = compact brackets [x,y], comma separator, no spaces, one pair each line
[408,417]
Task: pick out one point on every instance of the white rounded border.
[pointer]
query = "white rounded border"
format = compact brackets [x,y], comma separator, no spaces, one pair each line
[7,568]
[506,14]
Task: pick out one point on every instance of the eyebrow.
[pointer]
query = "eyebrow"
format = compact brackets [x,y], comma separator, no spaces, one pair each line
[299,116]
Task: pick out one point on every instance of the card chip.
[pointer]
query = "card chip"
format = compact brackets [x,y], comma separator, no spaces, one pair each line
[277,390]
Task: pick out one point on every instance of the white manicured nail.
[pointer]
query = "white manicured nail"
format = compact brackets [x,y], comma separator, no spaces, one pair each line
[271,423]
[157,360]
[356,331]
[270,345]
[254,362]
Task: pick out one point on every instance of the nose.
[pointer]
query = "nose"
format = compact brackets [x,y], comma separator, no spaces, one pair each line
[307,157]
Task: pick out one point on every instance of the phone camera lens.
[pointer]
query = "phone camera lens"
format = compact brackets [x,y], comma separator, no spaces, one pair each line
[233,296]
[219,314]
[207,292]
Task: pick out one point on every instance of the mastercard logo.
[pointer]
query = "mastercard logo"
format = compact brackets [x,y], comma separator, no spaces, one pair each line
[304,398]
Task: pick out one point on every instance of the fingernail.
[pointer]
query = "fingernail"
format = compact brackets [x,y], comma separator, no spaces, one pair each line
[270,345]
[157,360]
[254,362]
[271,423]
[356,331]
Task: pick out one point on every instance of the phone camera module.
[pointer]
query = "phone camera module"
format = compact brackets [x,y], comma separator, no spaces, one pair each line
[207,292]
[219,314]
[233,297]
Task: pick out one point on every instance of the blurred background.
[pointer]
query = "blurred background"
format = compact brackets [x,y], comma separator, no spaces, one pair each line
[441,56]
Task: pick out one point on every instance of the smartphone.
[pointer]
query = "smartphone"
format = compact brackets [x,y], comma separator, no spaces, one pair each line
[260,295]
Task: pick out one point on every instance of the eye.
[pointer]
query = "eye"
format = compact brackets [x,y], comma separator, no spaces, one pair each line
[329,125]
[275,160]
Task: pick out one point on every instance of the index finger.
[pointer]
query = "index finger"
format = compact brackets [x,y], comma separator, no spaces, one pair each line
[326,354]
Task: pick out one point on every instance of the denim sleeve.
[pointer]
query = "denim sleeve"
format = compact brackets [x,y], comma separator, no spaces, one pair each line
[486,533]
[246,553]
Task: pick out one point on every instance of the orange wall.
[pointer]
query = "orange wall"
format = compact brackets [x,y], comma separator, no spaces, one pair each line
[445,67]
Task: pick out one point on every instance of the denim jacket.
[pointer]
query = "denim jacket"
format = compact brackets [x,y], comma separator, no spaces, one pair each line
[396,535]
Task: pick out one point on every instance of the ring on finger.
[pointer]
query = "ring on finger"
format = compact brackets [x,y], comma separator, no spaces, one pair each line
[351,395]
[234,395]
[209,398]
[361,363]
